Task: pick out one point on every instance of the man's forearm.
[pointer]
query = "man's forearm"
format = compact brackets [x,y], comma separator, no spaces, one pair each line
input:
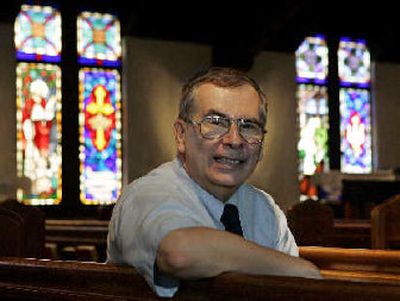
[191,253]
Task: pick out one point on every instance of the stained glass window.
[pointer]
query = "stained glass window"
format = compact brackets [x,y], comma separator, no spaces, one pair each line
[39,133]
[313,120]
[100,135]
[99,44]
[355,108]
[38,50]
[38,40]
[354,63]
[312,60]
[355,129]
[99,40]
[38,34]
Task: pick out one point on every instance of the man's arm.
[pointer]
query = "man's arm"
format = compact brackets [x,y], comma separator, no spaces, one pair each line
[198,252]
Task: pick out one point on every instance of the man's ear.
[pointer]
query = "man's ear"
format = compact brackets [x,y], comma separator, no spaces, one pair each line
[179,132]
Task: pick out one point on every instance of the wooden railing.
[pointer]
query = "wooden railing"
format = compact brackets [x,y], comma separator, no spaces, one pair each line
[29,279]
[355,264]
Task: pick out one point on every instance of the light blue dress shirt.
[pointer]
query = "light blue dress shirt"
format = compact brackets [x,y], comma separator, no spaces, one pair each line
[167,199]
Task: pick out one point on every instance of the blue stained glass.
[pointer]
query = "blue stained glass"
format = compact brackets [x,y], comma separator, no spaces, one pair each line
[355,128]
[100,127]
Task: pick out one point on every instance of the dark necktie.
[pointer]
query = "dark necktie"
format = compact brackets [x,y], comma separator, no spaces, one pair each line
[230,219]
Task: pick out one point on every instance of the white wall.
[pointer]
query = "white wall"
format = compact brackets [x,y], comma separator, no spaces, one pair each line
[154,73]
[277,173]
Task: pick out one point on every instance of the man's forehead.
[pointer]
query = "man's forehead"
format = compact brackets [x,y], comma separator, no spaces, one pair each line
[242,101]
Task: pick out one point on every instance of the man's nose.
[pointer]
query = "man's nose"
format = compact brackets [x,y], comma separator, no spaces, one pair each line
[233,137]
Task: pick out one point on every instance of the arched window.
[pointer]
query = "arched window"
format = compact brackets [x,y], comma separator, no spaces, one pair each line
[354,103]
[38,49]
[95,106]
[313,112]
[355,106]
[99,108]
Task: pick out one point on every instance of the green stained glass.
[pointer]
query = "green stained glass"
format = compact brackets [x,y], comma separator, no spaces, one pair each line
[314,124]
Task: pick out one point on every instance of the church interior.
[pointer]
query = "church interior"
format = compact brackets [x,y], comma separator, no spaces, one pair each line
[57,191]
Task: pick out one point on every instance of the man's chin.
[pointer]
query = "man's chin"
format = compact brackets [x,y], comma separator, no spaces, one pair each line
[227,181]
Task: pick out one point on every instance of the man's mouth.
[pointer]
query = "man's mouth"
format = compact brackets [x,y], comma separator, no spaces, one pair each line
[226,160]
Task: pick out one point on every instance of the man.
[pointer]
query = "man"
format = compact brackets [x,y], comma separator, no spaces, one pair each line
[167,223]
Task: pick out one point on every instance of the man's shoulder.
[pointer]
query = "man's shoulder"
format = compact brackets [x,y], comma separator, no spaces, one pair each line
[255,192]
[254,196]
[261,204]
[156,178]
[168,180]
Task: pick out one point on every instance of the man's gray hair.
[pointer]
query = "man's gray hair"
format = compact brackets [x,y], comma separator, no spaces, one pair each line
[220,77]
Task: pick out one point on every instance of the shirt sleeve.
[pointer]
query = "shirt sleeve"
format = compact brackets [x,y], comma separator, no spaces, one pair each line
[285,239]
[140,225]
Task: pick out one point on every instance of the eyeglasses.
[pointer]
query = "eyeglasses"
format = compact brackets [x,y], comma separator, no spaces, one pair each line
[215,126]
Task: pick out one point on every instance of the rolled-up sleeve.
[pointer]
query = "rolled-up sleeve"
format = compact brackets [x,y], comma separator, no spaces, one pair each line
[138,228]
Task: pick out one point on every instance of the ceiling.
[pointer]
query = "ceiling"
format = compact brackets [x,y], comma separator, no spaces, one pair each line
[238,30]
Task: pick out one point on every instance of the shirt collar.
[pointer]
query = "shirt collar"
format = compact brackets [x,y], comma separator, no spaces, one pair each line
[214,206]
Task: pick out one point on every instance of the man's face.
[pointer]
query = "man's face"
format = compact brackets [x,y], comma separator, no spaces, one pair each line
[220,165]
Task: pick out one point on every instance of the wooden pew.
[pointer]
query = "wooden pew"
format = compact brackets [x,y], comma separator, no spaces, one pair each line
[350,233]
[74,235]
[64,235]
[355,264]
[23,279]
[385,222]
[76,232]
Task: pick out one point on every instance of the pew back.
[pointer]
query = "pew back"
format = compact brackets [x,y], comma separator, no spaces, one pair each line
[385,224]
[355,264]
[11,233]
[22,279]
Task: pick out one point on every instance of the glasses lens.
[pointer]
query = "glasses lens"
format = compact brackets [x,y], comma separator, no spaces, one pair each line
[213,127]
[250,131]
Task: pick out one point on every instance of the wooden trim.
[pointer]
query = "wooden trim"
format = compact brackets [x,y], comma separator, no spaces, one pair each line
[382,261]
[69,280]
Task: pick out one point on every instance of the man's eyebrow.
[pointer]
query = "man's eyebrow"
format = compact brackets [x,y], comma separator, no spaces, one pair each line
[214,112]
[252,119]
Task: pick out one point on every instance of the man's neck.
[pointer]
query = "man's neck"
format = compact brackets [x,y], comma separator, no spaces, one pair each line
[222,193]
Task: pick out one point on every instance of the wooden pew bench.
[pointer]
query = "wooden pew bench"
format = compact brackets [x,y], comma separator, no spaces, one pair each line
[29,279]
[68,239]
[355,264]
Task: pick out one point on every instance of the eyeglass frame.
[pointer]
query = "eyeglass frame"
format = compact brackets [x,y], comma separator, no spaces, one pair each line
[237,121]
